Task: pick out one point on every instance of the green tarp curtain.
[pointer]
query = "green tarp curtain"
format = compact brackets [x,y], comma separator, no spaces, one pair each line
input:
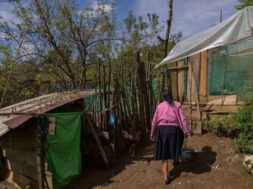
[64,151]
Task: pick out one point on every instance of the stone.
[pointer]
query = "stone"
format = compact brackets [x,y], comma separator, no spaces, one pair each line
[248,163]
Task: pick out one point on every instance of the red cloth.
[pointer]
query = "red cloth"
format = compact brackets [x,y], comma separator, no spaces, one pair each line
[167,114]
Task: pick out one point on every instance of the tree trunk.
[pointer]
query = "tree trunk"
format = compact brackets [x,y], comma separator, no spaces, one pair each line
[143,93]
[100,92]
[169,21]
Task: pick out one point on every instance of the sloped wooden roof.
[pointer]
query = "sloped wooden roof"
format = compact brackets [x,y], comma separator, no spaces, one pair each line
[16,114]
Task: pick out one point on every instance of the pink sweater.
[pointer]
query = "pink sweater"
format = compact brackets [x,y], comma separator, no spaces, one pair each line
[166,114]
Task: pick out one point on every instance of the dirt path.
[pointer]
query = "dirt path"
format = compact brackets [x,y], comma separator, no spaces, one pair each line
[216,166]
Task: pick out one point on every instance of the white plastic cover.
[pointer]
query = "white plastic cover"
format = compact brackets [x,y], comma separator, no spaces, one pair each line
[235,28]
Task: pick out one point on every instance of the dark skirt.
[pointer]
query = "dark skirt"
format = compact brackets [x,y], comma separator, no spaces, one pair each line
[168,142]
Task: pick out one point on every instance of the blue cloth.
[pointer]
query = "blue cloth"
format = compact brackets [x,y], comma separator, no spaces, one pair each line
[111,117]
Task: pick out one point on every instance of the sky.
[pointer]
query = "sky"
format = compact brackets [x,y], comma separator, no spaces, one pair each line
[189,16]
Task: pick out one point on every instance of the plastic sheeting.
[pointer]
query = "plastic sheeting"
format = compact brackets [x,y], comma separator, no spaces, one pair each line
[111,117]
[235,28]
[64,152]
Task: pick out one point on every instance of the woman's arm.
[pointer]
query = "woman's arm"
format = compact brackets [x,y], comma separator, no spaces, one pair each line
[154,122]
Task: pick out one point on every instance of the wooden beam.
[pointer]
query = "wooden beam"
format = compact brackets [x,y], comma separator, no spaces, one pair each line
[203,77]
[94,132]
[176,68]
[181,80]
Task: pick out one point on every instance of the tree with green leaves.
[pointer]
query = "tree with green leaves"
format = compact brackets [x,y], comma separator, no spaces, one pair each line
[61,37]
[244,3]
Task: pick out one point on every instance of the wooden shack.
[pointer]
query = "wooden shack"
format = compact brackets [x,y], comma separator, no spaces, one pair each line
[21,137]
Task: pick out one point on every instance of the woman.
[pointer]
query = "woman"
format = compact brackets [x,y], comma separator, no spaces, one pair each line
[166,131]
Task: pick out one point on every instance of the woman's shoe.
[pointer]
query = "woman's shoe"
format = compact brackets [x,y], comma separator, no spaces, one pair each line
[167,182]
[169,179]
[175,163]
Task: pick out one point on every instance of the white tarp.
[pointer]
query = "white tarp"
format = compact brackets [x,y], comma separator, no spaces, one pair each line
[235,28]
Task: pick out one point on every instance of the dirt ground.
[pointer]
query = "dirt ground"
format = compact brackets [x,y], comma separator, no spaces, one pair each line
[215,166]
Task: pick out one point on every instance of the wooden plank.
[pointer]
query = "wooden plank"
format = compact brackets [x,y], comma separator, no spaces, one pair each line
[203,77]
[28,157]
[225,100]
[191,92]
[195,63]
[181,78]
[11,180]
[19,142]
[189,81]
[226,108]
[177,68]
[197,128]
[20,181]
[195,116]
[196,77]
[94,132]
[174,81]
[22,138]
[49,177]
[22,168]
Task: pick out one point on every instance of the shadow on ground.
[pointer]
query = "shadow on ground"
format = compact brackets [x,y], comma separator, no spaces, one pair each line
[201,163]
[92,177]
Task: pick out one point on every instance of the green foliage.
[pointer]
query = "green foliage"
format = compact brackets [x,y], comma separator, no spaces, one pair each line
[244,3]
[57,42]
[219,126]
[242,124]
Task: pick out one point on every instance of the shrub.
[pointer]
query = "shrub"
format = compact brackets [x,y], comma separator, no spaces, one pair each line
[219,126]
[240,127]
[242,124]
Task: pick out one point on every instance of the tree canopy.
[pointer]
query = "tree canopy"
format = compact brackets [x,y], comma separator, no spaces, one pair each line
[59,45]
[244,3]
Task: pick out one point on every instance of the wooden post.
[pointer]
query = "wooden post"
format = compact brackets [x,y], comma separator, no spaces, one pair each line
[105,100]
[196,95]
[203,77]
[143,93]
[181,80]
[109,85]
[39,154]
[100,92]
[94,132]
[104,86]
[197,98]
[190,85]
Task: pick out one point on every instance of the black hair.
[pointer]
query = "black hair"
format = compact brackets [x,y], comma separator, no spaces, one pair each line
[168,97]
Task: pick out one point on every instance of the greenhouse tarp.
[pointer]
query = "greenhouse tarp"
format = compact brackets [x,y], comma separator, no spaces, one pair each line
[64,151]
[233,29]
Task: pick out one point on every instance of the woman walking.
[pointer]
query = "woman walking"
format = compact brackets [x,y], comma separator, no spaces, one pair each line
[166,132]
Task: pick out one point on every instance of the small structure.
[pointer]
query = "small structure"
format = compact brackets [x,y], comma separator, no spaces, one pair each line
[211,70]
[26,130]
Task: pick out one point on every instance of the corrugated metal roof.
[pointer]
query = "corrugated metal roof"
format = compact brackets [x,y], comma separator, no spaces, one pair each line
[37,105]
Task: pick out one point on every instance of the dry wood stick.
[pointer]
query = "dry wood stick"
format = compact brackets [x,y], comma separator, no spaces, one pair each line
[94,132]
